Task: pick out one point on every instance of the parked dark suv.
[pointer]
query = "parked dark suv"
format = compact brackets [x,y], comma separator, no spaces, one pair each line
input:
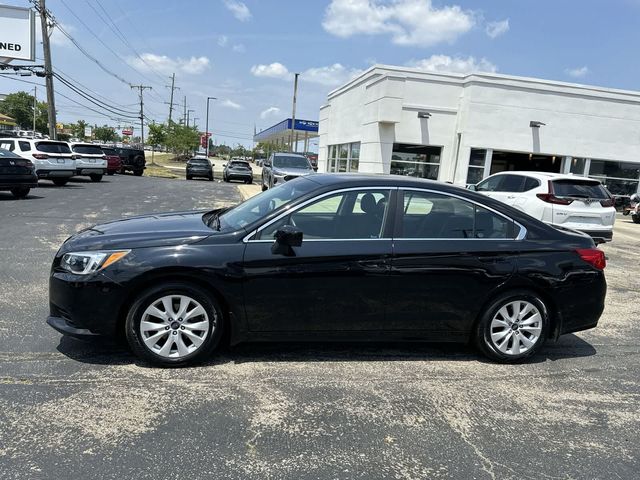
[132,160]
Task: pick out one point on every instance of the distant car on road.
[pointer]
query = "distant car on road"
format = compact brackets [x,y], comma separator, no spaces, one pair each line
[282,167]
[90,160]
[568,201]
[133,160]
[199,167]
[237,170]
[53,160]
[114,163]
[17,174]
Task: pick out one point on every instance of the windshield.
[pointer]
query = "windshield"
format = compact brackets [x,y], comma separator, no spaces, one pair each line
[87,150]
[282,161]
[579,189]
[52,147]
[262,204]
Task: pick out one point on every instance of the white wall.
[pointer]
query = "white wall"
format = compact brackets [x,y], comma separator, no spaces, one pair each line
[488,111]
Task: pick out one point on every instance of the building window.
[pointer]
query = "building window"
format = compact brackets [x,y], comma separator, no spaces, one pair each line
[620,178]
[576,165]
[415,160]
[344,157]
[476,165]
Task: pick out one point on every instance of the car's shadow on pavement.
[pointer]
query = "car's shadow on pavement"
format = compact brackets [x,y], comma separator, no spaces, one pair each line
[104,352]
[5,196]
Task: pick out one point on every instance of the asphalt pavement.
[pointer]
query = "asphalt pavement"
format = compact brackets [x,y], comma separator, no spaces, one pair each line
[84,410]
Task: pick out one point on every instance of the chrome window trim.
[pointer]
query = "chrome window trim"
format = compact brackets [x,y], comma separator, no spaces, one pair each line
[311,200]
[521,234]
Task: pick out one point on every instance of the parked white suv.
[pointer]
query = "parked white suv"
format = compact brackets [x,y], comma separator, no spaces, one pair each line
[569,201]
[90,160]
[53,160]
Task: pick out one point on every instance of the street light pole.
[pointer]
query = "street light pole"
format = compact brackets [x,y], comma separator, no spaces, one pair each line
[206,133]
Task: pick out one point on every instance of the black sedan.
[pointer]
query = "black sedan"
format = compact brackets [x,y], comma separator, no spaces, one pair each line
[199,167]
[237,170]
[327,257]
[17,174]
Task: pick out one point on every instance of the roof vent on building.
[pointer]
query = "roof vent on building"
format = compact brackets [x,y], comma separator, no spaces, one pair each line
[536,124]
[424,114]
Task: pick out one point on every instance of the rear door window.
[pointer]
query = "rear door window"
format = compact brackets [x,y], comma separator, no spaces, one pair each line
[511,183]
[53,147]
[579,189]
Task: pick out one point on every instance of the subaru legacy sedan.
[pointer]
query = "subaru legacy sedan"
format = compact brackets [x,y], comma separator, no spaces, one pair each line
[330,257]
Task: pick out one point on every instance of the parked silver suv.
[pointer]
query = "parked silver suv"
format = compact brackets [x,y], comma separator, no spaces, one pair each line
[53,160]
[282,167]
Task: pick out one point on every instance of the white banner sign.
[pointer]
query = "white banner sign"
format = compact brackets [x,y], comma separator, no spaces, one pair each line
[17,33]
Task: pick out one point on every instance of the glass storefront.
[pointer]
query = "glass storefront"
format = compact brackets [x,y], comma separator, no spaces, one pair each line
[620,178]
[476,165]
[344,157]
[415,160]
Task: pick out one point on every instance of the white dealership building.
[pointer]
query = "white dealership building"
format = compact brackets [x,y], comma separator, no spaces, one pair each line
[461,128]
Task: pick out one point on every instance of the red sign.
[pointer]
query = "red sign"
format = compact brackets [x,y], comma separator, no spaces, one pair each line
[203,141]
[127,132]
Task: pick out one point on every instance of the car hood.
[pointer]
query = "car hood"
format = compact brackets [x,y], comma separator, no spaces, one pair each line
[292,171]
[144,231]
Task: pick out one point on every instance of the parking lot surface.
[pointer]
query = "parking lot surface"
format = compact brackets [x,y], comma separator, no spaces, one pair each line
[78,410]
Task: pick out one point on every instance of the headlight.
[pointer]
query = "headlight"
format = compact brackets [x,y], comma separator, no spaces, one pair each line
[84,263]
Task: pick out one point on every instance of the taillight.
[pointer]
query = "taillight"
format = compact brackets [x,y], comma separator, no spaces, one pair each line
[103,157]
[40,156]
[551,198]
[593,256]
[24,163]
[607,203]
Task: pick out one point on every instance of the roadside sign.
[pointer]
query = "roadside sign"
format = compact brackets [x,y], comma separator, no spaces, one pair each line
[17,34]
[87,131]
[127,131]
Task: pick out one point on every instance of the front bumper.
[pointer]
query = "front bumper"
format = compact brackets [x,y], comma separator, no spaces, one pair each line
[67,328]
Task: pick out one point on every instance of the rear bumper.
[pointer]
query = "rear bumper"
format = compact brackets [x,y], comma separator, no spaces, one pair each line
[600,236]
[55,173]
[91,171]
[14,181]
[239,175]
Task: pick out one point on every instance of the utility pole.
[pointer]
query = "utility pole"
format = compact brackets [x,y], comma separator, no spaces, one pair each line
[184,107]
[194,121]
[48,71]
[206,133]
[172,87]
[186,123]
[293,113]
[35,107]
[141,88]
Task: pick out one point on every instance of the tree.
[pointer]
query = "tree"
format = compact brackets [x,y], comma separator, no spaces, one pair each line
[105,134]
[182,139]
[19,106]
[78,129]
[157,134]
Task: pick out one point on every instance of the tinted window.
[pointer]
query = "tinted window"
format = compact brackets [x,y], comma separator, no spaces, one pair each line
[490,184]
[511,183]
[432,215]
[52,147]
[87,150]
[530,184]
[199,161]
[24,146]
[4,153]
[347,215]
[240,165]
[109,151]
[7,144]
[579,188]
[290,162]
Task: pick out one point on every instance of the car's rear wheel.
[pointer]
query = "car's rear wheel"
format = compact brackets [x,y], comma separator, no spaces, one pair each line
[264,187]
[20,192]
[138,173]
[95,177]
[189,177]
[175,324]
[635,218]
[111,172]
[60,182]
[513,327]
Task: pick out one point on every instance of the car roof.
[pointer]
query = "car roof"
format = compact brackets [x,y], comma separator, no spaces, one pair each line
[376,180]
[24,139]
[278,154]
[545,175]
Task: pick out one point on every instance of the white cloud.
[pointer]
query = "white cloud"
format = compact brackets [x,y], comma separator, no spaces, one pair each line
[409,22]
[238,9]
[447,64]
[223,40]
[231,104]
[239,48]
[577,72]
[270,112]
[495,29]
[165,64]
[332,75]
[273,70]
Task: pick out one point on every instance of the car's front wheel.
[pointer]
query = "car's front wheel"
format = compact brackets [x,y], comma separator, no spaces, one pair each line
[95,177]
[174,325]
[513,327]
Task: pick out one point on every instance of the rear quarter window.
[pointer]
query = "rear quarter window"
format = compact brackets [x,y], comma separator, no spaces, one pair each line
[25,146]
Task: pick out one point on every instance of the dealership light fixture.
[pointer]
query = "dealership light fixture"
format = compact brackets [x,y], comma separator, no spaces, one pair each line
[424,115]
[536,124]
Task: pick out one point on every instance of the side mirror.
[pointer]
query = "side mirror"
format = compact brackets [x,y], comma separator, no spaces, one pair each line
[286,237]
[224,164]
[471,187]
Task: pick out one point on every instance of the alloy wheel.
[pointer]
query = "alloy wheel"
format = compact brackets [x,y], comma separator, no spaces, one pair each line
[174,326]
[516,327]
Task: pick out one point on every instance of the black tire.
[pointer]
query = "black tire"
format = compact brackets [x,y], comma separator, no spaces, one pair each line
[211,178]
[264,187]
[123,170]
[134,317]
[95,177]
[189,177]
[483,330]
[60,182]
[138,173]
[250,181]
[20,192]
[111,172]
[635,218]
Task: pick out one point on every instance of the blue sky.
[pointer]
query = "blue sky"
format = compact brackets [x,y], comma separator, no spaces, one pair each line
[244,52]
